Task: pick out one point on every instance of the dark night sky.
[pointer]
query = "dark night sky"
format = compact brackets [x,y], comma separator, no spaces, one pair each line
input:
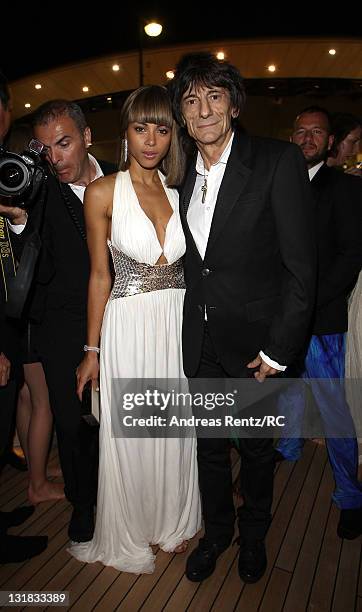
[41,35]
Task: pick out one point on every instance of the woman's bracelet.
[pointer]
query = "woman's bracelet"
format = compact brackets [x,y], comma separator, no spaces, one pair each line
[87,348]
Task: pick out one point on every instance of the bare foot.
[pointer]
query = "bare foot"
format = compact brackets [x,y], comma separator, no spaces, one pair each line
[181,548]
[49,491]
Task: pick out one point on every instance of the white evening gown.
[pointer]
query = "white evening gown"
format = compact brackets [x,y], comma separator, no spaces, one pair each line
[147,488]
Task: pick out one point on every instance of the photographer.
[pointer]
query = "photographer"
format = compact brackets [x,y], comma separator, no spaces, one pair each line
[13,549]
[60,298]
[34,418]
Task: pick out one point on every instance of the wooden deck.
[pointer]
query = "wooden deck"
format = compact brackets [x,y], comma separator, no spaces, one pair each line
[309,567]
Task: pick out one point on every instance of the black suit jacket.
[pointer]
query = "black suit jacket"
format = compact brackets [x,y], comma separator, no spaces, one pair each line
[257,279]
[61,279]
[338,199]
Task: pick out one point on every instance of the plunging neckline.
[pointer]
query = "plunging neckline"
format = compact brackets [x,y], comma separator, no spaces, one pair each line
[151,222]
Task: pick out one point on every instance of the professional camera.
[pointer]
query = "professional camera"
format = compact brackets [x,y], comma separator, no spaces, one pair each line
[21,175]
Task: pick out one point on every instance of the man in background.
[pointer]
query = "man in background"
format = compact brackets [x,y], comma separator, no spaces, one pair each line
[338,200]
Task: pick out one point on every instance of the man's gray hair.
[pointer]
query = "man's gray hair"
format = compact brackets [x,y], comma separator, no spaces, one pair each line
[57,108]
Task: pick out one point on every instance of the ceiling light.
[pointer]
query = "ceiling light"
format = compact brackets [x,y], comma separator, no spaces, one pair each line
[38,86]
[85,88]
[27,105]
[153,28]
[332,51]
[220,55]
[115,67]
[170,74]
[272,68]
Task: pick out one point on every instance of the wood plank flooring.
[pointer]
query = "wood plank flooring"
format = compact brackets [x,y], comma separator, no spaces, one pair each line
[309,567]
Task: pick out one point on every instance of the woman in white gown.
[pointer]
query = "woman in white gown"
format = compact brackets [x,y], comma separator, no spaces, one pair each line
[147,488]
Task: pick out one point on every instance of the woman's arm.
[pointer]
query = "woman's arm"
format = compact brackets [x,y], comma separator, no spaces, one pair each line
[97,211]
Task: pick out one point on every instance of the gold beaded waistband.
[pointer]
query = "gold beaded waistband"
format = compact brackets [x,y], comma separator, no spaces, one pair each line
[132,277]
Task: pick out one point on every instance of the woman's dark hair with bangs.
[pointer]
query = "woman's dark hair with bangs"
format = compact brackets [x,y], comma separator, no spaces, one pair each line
[152,104]
[204,69]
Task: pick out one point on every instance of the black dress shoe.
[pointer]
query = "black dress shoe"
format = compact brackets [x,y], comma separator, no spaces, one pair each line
[350,523]
[19,463]
[81,526]
[202,561]
[14,549]
[15,517]
[252,560]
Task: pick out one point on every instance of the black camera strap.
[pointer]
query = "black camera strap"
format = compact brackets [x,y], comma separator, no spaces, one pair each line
[7,260]
[71,211]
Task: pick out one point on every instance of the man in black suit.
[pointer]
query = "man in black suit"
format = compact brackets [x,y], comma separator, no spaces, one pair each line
[60,301]
[250,274]
[338,199]
[13,549]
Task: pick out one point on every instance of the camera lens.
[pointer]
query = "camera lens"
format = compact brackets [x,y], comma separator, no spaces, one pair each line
[14,177]
[11,176]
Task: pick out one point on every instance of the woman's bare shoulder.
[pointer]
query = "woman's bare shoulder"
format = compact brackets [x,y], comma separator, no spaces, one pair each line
[98,197]
[103,186]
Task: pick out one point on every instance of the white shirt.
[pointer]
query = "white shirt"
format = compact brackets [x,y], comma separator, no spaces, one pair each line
[77,189]
[200,214]
[80,189]
[313,171]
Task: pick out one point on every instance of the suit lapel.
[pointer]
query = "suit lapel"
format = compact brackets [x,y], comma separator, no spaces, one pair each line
[319,185]
[78,207]
[233,184]
[319,179]
[235,179]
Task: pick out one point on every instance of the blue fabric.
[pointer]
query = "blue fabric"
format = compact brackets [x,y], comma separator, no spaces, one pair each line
[325,360]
